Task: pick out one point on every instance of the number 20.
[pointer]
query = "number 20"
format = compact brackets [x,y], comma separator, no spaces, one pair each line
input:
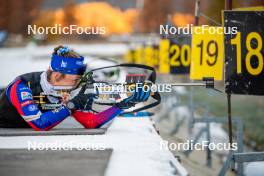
[180,55]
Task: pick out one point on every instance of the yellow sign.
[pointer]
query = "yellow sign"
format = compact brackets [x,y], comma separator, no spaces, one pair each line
[207,54]
[149,56]
[255,8]
[164,66]
[139,54]
[129,56]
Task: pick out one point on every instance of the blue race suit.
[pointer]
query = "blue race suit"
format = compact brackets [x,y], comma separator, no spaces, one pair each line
[18,109]
[20,96]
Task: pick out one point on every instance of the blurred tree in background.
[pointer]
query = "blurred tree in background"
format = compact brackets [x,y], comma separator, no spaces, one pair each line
[15,15]
[69,11]
[154,13]
[117,15]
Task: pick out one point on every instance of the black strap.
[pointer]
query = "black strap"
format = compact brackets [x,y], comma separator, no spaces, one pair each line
[156,96]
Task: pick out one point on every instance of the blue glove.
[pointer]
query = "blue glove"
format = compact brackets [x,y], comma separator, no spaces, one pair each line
[138,95]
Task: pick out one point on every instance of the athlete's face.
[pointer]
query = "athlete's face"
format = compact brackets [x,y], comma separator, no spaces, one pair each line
[66,80]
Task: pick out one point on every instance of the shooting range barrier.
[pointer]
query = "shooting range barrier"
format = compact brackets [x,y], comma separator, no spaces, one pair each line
[53,132]
[22,162]
[68,127]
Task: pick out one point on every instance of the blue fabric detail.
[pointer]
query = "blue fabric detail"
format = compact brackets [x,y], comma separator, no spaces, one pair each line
[29,108]
[142,94]
[68,65]
[51,118]
[146,95]
[63,50]
[138,93]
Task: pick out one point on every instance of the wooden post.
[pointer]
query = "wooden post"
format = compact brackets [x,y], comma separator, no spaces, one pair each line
[228,6]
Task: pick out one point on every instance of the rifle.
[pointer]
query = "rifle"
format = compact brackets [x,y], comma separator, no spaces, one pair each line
[88,81]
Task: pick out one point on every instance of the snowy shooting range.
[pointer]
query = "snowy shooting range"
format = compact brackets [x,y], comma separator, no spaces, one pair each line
[132,87]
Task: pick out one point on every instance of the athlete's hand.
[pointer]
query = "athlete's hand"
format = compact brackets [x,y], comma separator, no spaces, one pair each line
[65,97]
[81,101]
[138,95]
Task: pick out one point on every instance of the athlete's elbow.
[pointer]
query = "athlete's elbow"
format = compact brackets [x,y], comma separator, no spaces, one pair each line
[42,129]
[39,127]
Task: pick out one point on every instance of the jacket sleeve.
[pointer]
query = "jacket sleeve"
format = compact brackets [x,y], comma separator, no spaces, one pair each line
[20,95]
[91,120]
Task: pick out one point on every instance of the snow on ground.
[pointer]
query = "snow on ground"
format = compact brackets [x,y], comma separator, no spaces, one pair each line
[135,143]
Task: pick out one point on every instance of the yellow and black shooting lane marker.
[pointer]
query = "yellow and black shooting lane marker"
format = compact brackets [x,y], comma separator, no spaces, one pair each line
[164,67]
[169,56]
[151,55]
[234,22]
[180,55]
[129,56]
[244,66]
[175,55]
[207,53]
